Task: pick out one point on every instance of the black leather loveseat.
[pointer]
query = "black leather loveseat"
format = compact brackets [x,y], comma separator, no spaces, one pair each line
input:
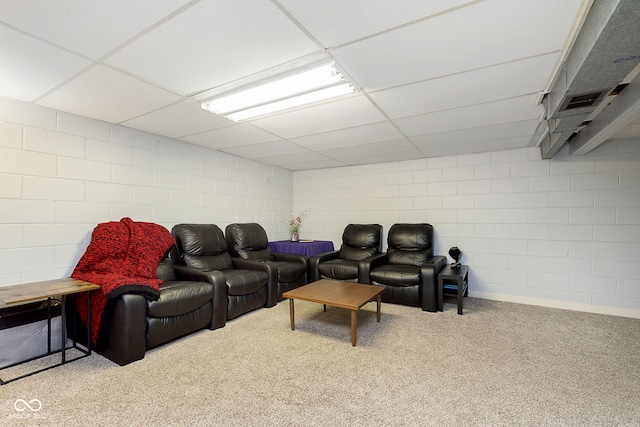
[247,285]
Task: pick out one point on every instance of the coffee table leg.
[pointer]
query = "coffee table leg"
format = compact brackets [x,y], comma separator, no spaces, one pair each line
[379,303]
[291,314]
[353,327]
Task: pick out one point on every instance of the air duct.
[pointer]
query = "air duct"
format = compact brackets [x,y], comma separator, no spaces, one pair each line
[604,53]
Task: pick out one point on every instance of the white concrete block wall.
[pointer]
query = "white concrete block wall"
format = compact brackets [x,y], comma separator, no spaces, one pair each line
[563,232]
[61,175]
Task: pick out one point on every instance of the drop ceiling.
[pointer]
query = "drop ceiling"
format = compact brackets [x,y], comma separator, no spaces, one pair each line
[435,78]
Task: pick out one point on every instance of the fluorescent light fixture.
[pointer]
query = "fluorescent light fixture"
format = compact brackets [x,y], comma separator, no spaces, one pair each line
[303,87]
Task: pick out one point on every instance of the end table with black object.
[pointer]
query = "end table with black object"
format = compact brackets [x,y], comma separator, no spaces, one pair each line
[453,281]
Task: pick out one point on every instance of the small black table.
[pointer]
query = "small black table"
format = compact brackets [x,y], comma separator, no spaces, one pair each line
[454,281]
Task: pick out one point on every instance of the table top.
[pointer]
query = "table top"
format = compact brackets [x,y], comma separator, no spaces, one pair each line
[452,273]
[336,293]
[35,291]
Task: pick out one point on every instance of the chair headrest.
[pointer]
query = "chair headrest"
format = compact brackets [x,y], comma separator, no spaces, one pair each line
[199,239]
[410,236]
[363,236]
[249,236]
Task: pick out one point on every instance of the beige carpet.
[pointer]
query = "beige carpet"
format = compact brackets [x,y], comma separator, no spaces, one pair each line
[498,364]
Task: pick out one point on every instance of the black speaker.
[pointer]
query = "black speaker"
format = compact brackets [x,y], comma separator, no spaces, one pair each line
[456,254]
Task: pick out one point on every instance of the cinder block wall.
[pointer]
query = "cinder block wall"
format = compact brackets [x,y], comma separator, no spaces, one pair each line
[563,232]
[61,174]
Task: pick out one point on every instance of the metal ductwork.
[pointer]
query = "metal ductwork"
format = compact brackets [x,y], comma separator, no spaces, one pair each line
[595,90]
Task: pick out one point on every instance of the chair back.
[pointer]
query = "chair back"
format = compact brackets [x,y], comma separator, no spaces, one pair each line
[202,246]
[360,241]
[410,244]
[248,241]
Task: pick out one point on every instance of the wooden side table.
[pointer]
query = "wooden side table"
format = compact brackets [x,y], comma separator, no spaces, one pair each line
[49,290]
[453,280]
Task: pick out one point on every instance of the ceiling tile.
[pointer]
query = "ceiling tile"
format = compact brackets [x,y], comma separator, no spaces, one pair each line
[524,77]
[266,149]
[231,136]
[182,119]
[345,113]
[319,164]
[107,95]
[477,147]
[375,148]
[88,27]
[23,60]
[381,131]
[213,43]
[476,134]
[491,113]
[334,28]
[394,156]
[296,158]
[448,44]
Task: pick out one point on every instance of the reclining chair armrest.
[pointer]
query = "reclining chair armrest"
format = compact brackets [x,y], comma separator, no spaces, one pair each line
[281,256]
[379,260]
[365,264]
[128,331]
[314,261]
[303,259]
[429,282]
[267,267]
[217,279]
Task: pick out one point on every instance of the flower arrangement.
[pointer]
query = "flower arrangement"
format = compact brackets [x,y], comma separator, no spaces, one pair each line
[294,225]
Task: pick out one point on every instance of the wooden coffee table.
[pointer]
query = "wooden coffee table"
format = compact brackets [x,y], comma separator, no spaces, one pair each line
[335,293]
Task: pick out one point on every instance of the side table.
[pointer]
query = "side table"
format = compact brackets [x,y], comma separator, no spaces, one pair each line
[302,247]
[50,290]
[453,280]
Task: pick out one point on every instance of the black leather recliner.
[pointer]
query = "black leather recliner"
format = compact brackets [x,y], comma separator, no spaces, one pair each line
[250,242]
[409,269]
[189,301]
[203,247]
[361,243]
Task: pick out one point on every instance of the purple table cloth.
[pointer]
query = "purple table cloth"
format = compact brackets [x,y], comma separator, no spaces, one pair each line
[301,248]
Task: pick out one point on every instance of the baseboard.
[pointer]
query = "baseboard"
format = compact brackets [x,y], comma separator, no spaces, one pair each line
[566,305]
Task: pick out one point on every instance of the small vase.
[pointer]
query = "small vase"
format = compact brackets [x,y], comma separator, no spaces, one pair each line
[295,236]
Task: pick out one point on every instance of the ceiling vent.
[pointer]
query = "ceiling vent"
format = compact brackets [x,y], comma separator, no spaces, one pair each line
[586,100]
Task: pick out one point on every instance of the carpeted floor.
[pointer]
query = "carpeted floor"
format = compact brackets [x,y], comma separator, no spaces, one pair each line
[498,364]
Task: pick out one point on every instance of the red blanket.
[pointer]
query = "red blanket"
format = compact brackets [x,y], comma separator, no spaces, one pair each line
[122,257]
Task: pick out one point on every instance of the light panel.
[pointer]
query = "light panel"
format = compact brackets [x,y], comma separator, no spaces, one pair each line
[304,87]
